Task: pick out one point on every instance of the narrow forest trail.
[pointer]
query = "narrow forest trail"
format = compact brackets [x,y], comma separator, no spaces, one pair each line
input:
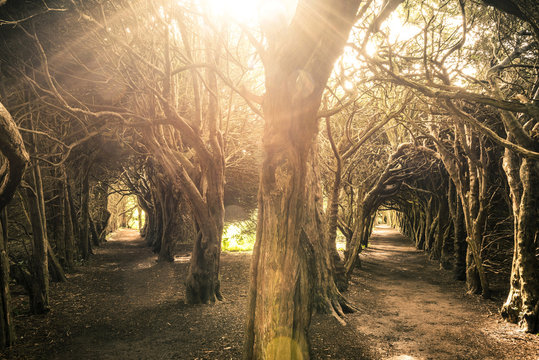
[123,305]
[410,309]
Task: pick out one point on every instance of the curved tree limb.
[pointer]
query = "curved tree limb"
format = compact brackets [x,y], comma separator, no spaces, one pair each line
[12,147]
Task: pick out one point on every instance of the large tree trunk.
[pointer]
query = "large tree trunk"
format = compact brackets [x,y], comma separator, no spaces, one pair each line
[203,283]
[522,304]
[473,198]
[475,213]
[297,70]
[13,150]
[282,282]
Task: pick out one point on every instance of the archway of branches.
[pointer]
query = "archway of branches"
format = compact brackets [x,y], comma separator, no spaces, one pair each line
[185,112]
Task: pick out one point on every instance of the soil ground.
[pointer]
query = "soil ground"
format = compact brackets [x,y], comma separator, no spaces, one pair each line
[123,305]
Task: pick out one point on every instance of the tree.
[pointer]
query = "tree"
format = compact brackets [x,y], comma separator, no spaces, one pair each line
[14,161]
[434,67]
[298,62]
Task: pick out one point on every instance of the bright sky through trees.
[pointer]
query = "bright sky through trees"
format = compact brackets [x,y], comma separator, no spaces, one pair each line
[250,12]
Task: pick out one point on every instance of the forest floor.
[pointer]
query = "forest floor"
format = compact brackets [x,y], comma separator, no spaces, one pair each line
[123,305]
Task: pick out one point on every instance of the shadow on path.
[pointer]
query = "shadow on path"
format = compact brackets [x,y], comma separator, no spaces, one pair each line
[123,305]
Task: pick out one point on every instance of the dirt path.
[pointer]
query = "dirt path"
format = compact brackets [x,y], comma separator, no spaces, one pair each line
[412,310]
[123,305]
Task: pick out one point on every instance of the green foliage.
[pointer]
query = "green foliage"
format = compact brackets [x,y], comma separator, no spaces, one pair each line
[240,235]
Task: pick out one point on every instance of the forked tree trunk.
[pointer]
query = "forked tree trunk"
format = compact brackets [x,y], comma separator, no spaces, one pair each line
[203,282]
[475,214]
[522,304]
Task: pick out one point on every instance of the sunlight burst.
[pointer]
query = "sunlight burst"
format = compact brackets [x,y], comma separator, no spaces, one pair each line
[250,12]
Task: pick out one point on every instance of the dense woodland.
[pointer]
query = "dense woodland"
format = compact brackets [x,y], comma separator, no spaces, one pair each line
[315,116]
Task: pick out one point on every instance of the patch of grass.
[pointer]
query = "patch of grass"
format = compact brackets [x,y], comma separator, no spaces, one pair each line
[240,235]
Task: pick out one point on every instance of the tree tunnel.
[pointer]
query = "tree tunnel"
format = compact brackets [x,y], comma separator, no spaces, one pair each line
[160,115]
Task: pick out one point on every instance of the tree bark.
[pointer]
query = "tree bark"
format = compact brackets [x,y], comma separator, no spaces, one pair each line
[203,282]
[296,72]
[39,294]
[333,215]
[522,304]
[459,238]
[69,231]
[85,216]
[13,150]
[7,333]
[443,243]
[171,222]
